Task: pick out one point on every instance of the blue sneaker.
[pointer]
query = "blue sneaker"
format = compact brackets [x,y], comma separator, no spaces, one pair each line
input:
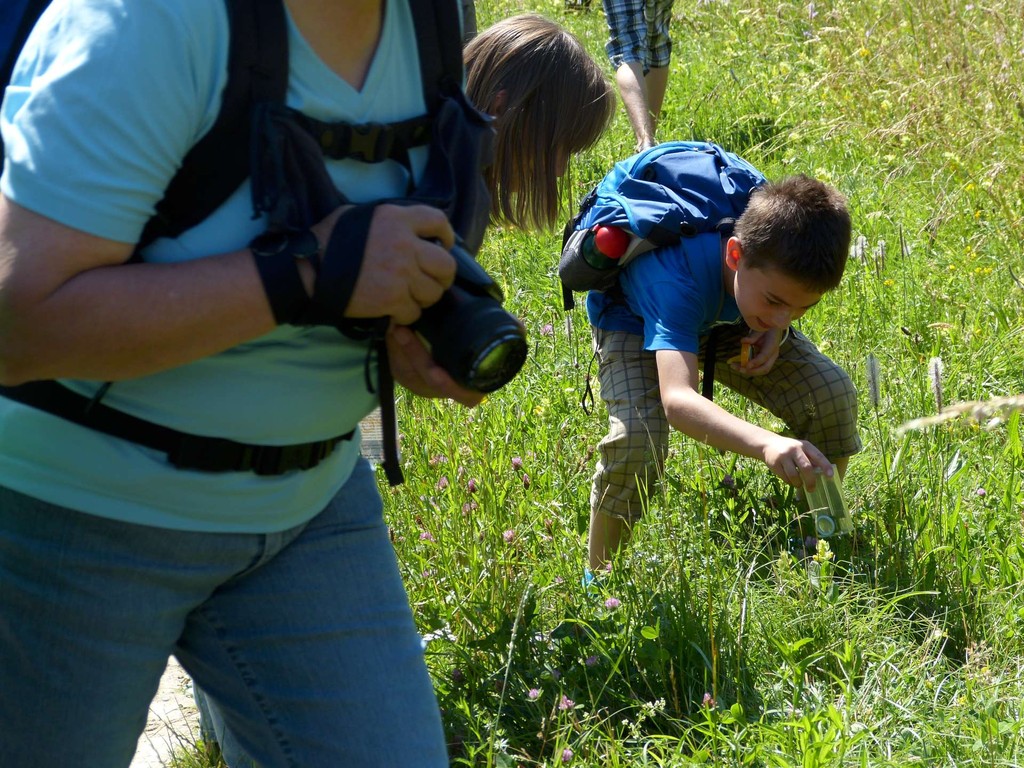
[587,582]
[593,583]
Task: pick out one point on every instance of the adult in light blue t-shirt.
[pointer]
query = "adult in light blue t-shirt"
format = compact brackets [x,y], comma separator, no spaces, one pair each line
[275,586]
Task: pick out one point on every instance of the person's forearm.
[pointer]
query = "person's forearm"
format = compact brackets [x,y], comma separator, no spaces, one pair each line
[70,307]
[703,420]
[117,322]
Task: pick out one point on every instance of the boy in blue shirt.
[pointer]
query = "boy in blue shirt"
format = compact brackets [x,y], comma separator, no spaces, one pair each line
[788,249]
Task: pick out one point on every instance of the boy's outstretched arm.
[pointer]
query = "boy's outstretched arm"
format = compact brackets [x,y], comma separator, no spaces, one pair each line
[797,462]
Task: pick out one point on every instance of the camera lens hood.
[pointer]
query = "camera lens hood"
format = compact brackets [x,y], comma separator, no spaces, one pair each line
[473,278]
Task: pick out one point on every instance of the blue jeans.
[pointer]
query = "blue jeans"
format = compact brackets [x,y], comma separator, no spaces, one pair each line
[303,640]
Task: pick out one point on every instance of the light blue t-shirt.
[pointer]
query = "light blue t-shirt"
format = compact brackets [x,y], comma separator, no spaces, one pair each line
[107,98]
[671,296]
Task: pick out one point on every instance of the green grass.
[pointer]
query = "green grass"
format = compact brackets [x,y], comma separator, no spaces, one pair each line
[899,645]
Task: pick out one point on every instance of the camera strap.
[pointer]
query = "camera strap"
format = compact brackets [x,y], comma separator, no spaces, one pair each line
[386,395]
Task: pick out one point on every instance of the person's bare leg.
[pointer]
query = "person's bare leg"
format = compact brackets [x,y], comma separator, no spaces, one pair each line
[633,89]
[642,96]
[657,83]
[607,536]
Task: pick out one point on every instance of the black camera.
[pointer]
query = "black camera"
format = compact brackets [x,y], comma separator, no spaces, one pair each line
[479,344]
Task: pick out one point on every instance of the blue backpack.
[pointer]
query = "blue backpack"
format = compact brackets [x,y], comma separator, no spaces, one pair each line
[673,190]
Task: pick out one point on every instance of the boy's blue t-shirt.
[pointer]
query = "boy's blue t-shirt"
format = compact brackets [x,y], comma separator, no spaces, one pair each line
[671,296]
[107,98]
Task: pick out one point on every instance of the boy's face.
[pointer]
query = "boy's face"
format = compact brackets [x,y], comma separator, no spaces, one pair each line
[766,297]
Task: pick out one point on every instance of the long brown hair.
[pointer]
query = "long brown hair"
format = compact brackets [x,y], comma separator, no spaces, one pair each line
[552,100]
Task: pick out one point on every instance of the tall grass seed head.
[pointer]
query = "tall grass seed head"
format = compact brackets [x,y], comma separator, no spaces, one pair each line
[874,380]
[935,374]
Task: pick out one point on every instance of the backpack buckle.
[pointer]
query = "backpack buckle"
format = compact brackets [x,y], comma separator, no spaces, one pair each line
[370,142]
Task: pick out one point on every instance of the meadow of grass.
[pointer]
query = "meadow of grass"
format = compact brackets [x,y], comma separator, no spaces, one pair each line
[723,637]
[726,636]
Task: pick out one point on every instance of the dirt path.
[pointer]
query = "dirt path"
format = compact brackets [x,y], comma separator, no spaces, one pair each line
[173,723]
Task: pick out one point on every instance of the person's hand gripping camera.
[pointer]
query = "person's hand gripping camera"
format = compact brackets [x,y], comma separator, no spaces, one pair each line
[414,271]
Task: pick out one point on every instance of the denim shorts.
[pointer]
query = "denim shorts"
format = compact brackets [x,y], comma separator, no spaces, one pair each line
[638,31]
[810,393]
[303,640]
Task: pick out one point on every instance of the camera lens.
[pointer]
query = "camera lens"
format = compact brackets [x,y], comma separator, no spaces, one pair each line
[497,363]
[477,342]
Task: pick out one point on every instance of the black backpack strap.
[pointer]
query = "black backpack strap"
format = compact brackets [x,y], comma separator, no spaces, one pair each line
[440,48]
[19,17]
[568,302]
[219,162]
[368,142]
[183,449]
[707,385]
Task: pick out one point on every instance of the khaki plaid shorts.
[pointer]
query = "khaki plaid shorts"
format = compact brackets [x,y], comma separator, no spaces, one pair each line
[638,31]
[806,390]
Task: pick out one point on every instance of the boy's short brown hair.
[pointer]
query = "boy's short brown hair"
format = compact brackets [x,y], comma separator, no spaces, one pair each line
[800,226]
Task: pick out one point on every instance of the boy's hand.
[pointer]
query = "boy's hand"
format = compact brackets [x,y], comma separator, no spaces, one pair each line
[414,368]
[797,462]
[764,351]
